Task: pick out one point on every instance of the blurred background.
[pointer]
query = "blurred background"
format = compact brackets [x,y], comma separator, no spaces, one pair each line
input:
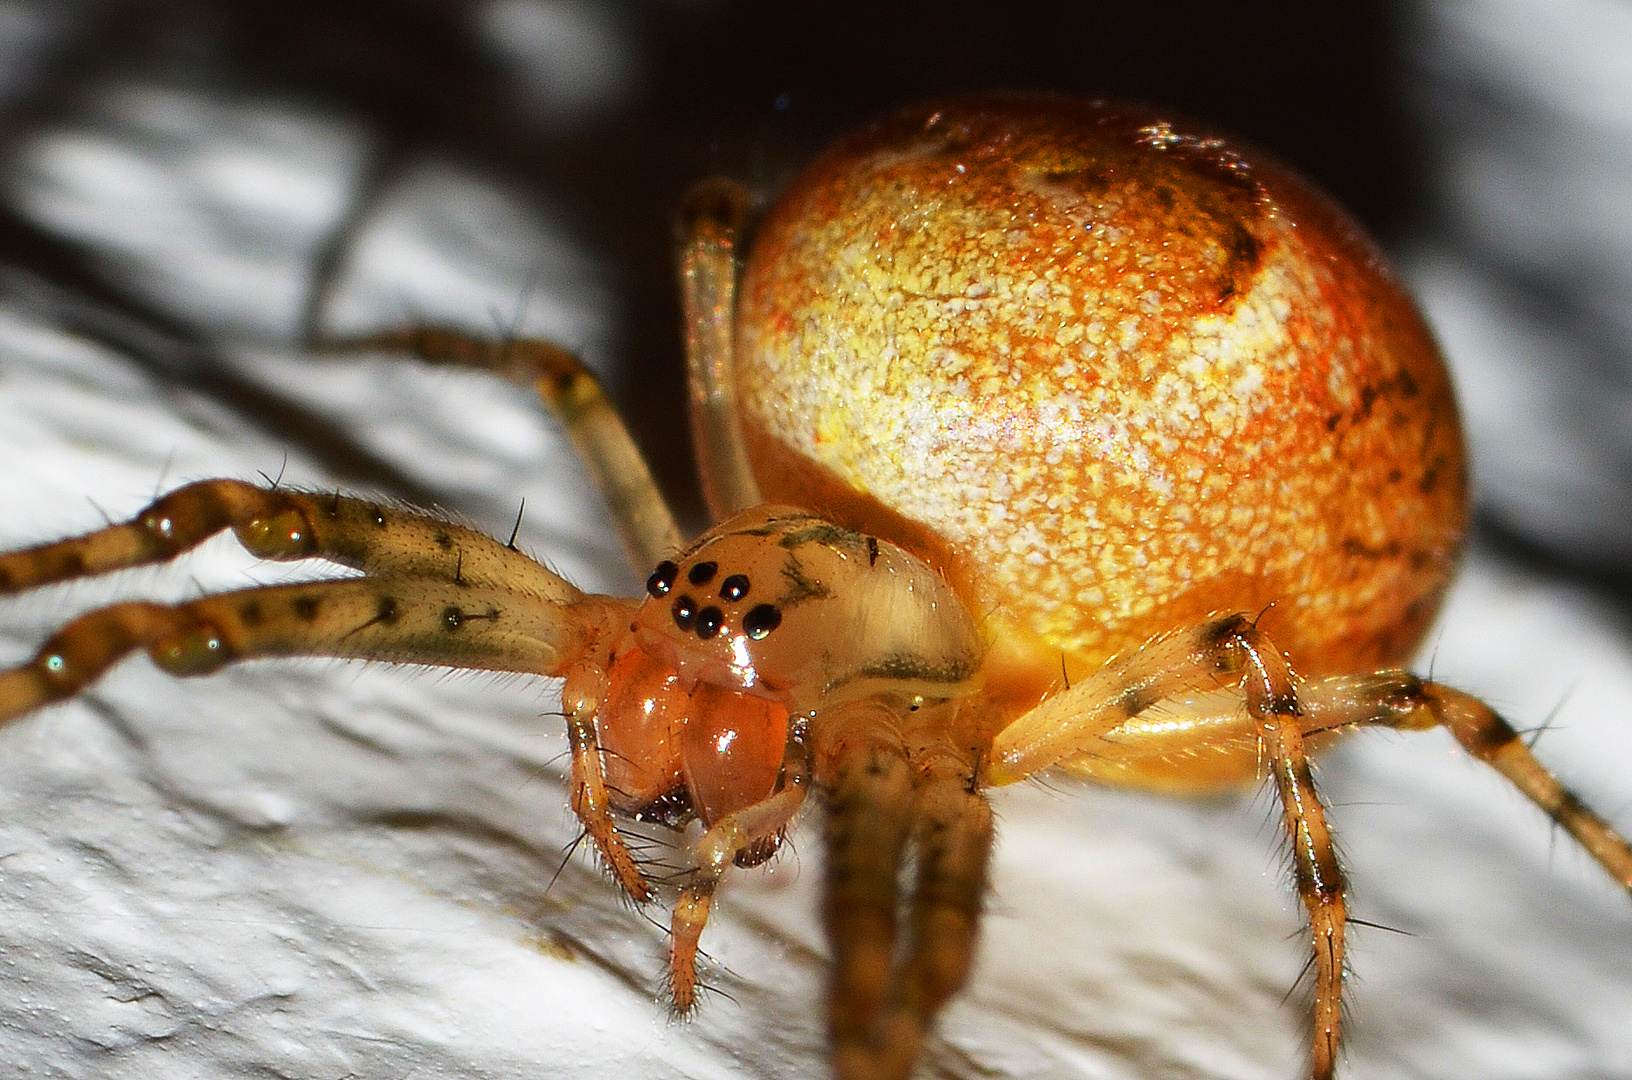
[174,180]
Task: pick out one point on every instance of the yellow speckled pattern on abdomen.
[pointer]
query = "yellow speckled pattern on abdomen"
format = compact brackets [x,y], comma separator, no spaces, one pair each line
[1110,391]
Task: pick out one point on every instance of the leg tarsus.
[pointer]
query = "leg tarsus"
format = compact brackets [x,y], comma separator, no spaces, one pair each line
[1493,740]
[685,932]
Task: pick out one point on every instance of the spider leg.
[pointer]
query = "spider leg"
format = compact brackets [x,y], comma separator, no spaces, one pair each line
[590,800]
[1272,701]
[897,783]
[287,525]
[642,517]
[1399,699]
[406,620]
[951,843]
[723,844]
[1160,713]
[438,593]
[711,224]
[863,769]
[1115,724]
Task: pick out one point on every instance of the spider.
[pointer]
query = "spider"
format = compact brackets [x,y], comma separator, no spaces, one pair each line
[1042,435]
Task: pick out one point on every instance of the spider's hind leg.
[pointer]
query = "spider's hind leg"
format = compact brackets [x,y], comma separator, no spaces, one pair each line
[1401,700]
[1114,724]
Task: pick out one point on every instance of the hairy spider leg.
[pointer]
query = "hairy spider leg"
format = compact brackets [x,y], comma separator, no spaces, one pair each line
[274,523]
[1134,720]
[405,620]
[491,606]
[435,593]
[1399,699]
[1092,726]
[1160,711]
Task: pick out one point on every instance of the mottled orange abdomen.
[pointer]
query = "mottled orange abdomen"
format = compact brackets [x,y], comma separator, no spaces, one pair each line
[1113,376]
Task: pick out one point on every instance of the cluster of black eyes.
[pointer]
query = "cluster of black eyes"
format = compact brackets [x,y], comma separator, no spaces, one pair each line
[760,620]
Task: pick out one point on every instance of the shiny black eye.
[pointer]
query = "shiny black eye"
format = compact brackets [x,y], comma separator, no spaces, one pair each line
[662,579]
[734,587]
[709,621]
[685,610]
[702,573]
[761,620]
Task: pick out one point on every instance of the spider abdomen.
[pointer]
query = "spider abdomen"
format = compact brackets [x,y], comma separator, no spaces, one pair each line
[1110,377]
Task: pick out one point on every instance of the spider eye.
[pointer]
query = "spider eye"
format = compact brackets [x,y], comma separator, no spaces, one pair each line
[702,573]
[709,621]
[685,610]
[662,579]
[734,587]
[760,621]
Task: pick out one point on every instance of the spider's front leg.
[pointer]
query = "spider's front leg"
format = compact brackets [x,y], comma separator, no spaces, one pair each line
[406,620]
[435,593]
[272,523]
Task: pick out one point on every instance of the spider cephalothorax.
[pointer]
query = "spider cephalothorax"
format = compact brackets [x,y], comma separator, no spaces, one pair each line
[835,615]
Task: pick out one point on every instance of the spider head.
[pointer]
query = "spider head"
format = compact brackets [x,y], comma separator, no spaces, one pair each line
[791,607]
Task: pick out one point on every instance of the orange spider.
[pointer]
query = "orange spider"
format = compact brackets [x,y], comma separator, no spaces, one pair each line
[1042,434]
